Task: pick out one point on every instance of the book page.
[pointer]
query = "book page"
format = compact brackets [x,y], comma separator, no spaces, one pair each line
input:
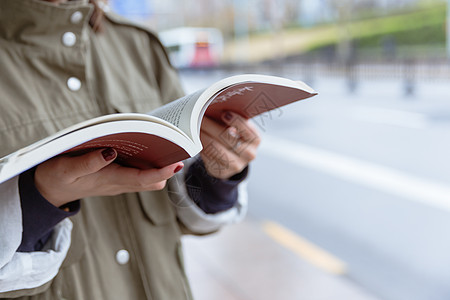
[179,112]
[136,149]
[248,95]
[139,143]
[250,99]
[89,123]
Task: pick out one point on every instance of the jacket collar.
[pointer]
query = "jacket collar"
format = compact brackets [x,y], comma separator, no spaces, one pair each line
[37,22]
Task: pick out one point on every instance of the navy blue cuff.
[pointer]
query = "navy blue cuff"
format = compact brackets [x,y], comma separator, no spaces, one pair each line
[212,195]
[39,216]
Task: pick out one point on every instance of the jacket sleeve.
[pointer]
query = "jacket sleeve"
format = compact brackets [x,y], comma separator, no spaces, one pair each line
[195,219]
[21,273]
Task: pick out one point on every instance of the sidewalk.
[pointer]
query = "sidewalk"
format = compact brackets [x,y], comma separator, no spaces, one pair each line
[243,263]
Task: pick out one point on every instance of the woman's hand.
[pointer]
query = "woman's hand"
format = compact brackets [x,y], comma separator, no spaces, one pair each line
[229,147]
[64,179]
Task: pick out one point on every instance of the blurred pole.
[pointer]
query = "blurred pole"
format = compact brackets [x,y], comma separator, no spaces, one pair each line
[241,52]
[343,9]
[346,51]
[448,29]
[409,77]
[277,15]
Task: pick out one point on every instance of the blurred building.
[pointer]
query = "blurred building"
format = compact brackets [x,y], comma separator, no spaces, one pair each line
[259,14]
[241,20]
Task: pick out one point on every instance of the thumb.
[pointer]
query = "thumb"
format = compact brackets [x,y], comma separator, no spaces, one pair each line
[91,162]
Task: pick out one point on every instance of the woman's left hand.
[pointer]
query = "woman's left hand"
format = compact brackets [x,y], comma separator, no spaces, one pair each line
[228,147]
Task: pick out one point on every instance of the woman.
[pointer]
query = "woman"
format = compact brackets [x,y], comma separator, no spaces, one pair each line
[65,62]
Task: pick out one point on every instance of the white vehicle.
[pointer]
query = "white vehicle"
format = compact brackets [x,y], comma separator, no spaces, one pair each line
[193,47]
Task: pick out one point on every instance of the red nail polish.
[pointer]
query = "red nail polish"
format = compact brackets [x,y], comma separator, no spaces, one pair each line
[228,116]
[109,154]
[178,169]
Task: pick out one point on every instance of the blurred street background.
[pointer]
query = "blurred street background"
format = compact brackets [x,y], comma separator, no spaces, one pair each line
[349,197]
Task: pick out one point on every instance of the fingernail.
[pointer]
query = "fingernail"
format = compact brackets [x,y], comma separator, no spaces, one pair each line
[178,169]
[228,116]
[109,154]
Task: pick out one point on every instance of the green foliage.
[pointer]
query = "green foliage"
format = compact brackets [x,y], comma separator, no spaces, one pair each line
[434,34]
[423,28]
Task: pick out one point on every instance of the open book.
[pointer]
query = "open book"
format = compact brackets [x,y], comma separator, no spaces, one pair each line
[166,135]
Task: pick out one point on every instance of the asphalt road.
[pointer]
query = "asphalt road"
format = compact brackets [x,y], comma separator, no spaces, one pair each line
[365,176]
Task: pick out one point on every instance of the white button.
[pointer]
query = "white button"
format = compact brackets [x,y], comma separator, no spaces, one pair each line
[74,84]
[122,257]
[69,39]
[76,17]
[103,6]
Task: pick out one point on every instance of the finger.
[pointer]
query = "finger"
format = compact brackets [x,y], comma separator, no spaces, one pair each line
[131,179]
[212,127]
[232,142]
[219,160]
[150,176]
[214,149]
[220,168]
[247,152]
[245,129]
[89,163]
[226,135]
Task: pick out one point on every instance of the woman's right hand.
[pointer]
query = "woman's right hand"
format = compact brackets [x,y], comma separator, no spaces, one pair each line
[64,178]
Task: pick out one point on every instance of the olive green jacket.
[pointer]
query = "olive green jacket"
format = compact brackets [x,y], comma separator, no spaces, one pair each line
[50,80]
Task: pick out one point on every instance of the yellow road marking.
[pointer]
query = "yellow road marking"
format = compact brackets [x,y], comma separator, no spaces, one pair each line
[305,249]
